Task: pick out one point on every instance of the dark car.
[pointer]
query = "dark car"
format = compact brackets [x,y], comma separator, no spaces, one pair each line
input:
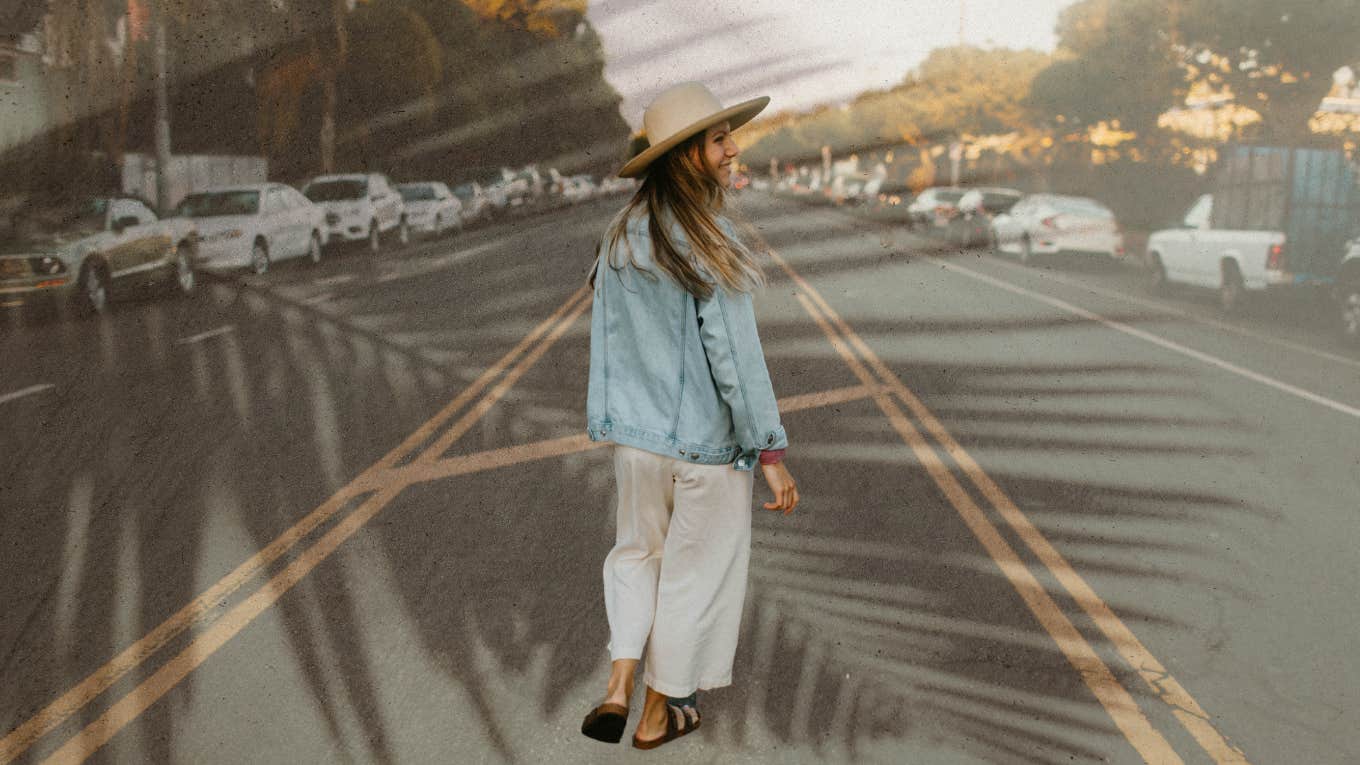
[973,224]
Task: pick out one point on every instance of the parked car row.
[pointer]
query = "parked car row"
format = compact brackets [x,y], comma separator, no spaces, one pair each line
[1027,226]
[1281,220]
[80,252]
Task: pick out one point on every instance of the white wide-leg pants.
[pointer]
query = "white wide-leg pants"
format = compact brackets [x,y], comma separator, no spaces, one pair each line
[675,581]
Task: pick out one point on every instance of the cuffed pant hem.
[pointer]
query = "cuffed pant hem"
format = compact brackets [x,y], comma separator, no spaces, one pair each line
[618,655]
[681,691]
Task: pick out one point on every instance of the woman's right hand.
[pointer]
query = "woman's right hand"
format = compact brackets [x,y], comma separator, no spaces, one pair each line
[781,482]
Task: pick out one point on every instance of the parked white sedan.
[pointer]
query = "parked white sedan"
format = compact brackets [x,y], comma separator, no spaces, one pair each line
[1048,224]
[431,208]
[253,226]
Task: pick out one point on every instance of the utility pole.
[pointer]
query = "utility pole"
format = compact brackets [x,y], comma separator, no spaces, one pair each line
[162,129]
[963,20]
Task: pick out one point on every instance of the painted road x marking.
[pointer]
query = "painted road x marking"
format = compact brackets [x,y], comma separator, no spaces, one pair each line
[381,483]
[29,391]
[388,485]
[205,607]
[420,458]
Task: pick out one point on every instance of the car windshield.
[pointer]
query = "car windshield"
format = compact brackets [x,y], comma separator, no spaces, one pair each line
[999,200]
[948,196]
[420,193]
[336,191]
[81,215]
[218,203]
[1079,206]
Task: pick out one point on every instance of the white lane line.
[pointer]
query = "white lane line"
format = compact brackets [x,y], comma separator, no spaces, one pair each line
[331,281]
[201,336]
[1158,340]
[30,390]
[1174,311]
[322,298]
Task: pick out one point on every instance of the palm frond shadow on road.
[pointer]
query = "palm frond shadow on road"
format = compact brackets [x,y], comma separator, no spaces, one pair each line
[874,622]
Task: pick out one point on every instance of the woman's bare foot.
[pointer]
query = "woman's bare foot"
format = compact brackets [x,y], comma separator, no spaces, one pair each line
[620,687]
[653,723]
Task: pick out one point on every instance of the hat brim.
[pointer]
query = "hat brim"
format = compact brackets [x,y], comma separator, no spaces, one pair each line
[736,116]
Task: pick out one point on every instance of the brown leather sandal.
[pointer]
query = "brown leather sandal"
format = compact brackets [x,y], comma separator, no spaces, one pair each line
[605,723]
[680,720]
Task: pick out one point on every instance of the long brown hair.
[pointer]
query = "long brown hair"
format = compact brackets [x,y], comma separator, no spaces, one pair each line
[680,186]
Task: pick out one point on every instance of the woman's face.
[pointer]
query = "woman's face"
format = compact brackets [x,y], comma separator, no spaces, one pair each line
[719,151]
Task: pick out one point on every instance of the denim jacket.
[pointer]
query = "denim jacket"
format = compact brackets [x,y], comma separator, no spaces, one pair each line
[674,374]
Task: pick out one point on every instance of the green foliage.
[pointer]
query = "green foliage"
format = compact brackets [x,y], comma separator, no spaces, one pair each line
[1277,56]
[1117,64]
[428,88]
[962,90]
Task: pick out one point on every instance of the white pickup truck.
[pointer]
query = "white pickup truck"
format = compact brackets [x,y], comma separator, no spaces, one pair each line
[1234,263]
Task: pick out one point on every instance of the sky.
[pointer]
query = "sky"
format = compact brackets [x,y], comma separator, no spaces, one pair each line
[799,52]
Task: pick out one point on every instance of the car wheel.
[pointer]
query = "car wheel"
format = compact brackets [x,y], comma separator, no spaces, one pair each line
[1026,251]
[374,238]
[1156,274]
[314,249]
[1231,292]
[259,257]
[92,297]
[184,280]
[1348,303]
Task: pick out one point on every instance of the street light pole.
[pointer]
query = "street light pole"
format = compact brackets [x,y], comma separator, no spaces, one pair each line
[162,128]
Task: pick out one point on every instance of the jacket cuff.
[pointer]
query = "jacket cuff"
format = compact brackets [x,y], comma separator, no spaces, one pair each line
[772,456]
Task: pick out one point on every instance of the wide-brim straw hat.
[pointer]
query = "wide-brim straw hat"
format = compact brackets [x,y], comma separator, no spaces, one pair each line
[679,113]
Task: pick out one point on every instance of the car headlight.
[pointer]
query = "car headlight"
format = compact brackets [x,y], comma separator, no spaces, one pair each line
[47,265]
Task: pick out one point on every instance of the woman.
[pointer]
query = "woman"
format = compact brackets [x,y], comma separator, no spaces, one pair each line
[678,383]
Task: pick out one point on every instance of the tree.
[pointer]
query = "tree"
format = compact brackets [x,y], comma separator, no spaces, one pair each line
[1118,62]
[954,91]
[1277,56]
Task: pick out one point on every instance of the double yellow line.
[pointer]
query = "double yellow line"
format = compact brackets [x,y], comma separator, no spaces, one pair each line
[378,486]
[874,375]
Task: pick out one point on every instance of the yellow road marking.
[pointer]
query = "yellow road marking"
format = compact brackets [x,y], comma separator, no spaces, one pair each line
[1190,714]
[421,471]
[204,645]
[1107,689]
[205,605]
[387,482]
[125,710]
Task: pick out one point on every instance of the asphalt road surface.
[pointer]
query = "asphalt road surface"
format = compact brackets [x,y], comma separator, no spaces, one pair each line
[348,513]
